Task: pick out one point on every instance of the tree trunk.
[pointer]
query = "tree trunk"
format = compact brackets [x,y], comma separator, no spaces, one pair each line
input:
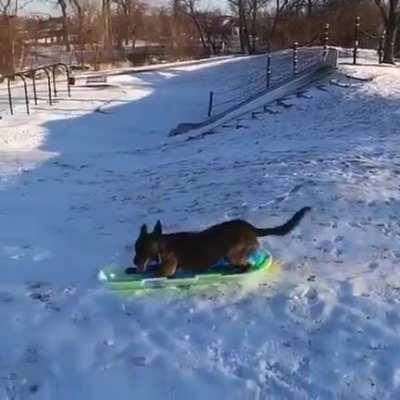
[127,29]
[213,47]
[273,30]
[390,38]
[210,41]
[246,33]
[65,33]
[81,44]
[241,39]
[80,15]
[80,35]
[243,29]
[274,24]
[390,14]
[309,7]
[107,38]
[63,7]
[126,8]
[254,25]
[199,30]
[8,46]
[133,36]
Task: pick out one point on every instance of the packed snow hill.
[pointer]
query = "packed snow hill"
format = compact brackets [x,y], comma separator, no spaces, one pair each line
[77,181]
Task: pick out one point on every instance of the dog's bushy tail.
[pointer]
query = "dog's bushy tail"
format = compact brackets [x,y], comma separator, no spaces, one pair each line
[286,227]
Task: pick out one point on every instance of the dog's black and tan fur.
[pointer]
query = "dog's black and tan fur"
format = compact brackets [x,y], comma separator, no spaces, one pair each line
[198,251]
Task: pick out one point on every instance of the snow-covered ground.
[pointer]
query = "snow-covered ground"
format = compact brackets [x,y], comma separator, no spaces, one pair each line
[235,80]
[75,186]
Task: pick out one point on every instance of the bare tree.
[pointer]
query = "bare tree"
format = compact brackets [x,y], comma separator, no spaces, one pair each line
[177,15]
[216,29]
[241,9]
[5,6]
[63,7]
[129,16]
[10,41]
[243,22]
[11,7]
[310,6]
[77,4]
[255,7]
[390,12]
[280,7]
[190,9]
[107,32]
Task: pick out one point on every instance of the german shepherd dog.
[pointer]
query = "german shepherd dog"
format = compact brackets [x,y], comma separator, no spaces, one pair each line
[199,251]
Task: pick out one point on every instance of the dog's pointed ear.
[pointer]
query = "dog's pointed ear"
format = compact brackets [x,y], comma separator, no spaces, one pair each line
[143,230]
[158,228]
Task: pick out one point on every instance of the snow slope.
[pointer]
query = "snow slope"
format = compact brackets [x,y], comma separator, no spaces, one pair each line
[75,185]
[233,80]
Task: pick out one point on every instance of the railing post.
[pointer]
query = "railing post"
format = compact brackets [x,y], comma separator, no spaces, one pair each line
[9,95]
[210,103]
[33,72]
[326,39]
[381,44]
[26,92]
[48,84]
[68,80]
[53,70]
[65,66]
[295,57]
[356,39]
[269,71]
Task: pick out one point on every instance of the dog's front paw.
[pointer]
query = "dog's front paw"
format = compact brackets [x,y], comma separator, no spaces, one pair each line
[241,269]
[130,271]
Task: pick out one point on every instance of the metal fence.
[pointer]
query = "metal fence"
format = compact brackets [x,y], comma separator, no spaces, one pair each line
[278,67]
[294,61]
[28,77]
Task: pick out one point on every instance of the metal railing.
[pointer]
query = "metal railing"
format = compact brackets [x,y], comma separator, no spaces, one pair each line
[360,34]
[263,80]
[218,99]
[31,74]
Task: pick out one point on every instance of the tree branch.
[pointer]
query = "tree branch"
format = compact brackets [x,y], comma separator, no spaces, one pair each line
[382,10]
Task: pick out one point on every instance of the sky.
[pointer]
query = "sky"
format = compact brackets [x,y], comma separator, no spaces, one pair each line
[50,7]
